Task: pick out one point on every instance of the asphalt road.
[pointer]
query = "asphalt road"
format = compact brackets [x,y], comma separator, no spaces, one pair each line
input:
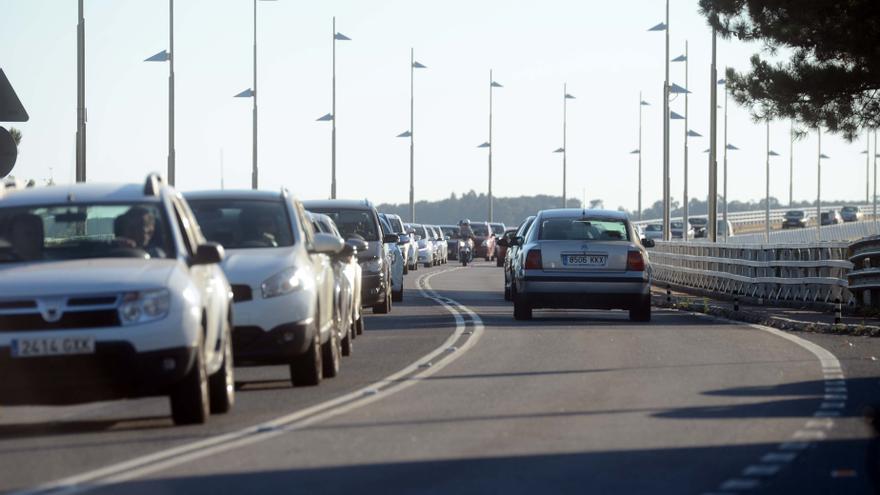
[448,394]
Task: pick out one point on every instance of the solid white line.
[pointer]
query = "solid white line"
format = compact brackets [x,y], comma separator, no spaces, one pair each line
[739,484]
[761,470]
[809,435]
[175,456]
[779,457]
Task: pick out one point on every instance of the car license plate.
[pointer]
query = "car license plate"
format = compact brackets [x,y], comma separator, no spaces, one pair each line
[55,346]
[585,259]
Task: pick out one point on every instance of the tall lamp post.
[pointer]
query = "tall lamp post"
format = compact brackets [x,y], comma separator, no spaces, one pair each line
[791,164]
[252,93]
[819,159]
[712,202]
[81,95]
[413,65]
[490,142]
[563,150]
[770,153]
[331,117]
[168,56]
[638,151]
[687,133]
[664,26]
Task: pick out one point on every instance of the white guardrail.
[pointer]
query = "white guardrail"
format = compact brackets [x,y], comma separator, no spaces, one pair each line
[757,216]
[805,273]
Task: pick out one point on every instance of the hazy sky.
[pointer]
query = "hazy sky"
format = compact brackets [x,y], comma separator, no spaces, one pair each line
[601,49]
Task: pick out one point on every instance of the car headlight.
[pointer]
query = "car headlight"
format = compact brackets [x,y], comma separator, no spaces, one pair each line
[285,282]
[460,243]
[373,265]
[144,306]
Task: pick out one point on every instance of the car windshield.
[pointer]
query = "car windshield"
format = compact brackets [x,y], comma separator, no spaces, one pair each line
[497,229]
[480,229]
[244,223]
[396,225]
[583,229]
[794,214]
[849,209]
[69,232]
[451,232]
[698,221]
[654,227]
[676,225]
[353,222]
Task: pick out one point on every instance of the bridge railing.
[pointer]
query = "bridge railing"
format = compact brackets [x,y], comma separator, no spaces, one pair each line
[804,273]
[757,216]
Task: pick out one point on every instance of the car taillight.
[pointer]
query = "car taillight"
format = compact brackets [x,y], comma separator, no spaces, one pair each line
[635,262]
[533,260]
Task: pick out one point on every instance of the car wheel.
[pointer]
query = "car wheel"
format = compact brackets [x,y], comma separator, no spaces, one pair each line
[415,266]
[488,258]
[190,403]
[507,293]
[331,352]
[428,264]
[348,341]
[383,307]
[405,269]
[499,262]
[642,312]
[359,325]
[463,262]
[397,296]
[308,369]
[521,309]
[221,385]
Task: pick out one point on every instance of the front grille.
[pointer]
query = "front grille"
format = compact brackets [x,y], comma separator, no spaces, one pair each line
[92,301]
[17,304]
[70,320]
[241,293]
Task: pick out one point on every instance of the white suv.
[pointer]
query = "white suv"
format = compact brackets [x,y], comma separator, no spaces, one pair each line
[282,278]
[111,292]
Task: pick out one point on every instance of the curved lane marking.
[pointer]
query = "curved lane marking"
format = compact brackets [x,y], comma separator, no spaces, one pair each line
[438,359]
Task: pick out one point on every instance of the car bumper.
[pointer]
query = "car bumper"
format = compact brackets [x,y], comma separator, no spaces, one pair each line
[115,371]
[373,289]
[254,345]
[426,256]
[622,292]
[482,251]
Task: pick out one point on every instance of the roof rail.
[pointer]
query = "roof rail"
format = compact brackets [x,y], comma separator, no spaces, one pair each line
[153,184]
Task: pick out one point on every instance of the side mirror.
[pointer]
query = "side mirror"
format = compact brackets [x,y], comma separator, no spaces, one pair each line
[347,251]
[404,239]
[503,242]
[648,243]
[517,241]
[326,244]
[208,253]
[390,239]
[357,244]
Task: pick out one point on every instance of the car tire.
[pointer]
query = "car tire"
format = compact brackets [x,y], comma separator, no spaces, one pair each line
[428,265]
[331,355]
[405,269]
[499,262]
[221,385]
[383,307]
[348,341]
[521,309]
[642,312]
[507,293]
[397,296]
[190,402]
[415,266]
[359,325]
[308,370]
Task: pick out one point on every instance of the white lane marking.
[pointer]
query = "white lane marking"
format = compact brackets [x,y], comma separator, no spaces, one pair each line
[779,457]
[176,456]
[834,390]
[762,470]
[832,405]
[835,396]
[739,484]
[826,414]
[793,445]
[809,435]
[820,423]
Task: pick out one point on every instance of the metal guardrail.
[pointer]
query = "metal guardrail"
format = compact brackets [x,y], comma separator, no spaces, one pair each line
[864,279]
[757,216]
[806,273]
[829,233]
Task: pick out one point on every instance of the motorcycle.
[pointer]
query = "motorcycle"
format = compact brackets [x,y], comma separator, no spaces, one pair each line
[465,251]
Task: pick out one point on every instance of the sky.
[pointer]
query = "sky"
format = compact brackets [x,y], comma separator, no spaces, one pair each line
[601,50]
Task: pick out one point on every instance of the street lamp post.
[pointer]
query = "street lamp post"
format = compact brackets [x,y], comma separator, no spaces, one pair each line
[168,56]
[492,86]
[563,150]
[666,190]
[713,145]
[81,95]
[791,164]
[767,187]
[252,93]
[642,103]
[413,65]
[340,37]
[687,133]
[819,184]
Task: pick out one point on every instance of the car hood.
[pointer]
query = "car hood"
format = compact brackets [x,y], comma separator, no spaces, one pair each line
[253,266]
[90,276]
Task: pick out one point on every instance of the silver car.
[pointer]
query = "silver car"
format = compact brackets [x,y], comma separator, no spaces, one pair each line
[587,259]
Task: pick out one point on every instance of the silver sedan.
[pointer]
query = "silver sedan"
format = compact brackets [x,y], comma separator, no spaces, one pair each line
[587,259]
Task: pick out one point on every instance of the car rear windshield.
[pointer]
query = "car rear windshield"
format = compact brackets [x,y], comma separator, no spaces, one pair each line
[69,232]
[480,229]
[244,223]
[396,225]
[497,228]
[850,209]
[654,227]
[794,214]
[353,222]
[583,229]
[451,232]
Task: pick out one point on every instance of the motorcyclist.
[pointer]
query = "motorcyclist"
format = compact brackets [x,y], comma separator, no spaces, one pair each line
[466,234]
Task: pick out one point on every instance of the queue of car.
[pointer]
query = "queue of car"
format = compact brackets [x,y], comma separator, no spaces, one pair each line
[164,294]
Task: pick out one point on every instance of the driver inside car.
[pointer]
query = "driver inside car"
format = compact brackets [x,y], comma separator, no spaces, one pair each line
[136,228]
[26,237]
